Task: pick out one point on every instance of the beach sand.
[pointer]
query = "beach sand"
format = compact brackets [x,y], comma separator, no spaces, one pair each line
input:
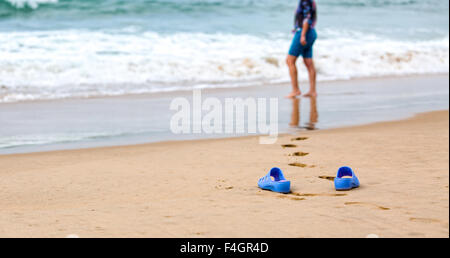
[208,188]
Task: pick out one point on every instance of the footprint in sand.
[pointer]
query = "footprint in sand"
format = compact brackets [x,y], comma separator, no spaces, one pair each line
[301,165]
[291,198]
[320,194]
[289,146]
[425,220]
[331,178]
[299,154]
[301,196]
[367,204]
[416,234]
[299,139]
[222,187]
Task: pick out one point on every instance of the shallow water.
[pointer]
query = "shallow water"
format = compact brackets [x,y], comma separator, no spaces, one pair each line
[80,123]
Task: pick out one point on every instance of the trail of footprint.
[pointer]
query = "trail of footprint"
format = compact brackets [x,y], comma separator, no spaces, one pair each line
[367,204]
[299,139]
[289,146]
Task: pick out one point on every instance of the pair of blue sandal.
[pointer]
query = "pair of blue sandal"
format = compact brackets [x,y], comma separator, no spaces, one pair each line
[276,182]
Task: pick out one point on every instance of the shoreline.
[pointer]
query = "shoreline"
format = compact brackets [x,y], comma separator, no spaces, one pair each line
[87,123]
[282,135]
[207,188]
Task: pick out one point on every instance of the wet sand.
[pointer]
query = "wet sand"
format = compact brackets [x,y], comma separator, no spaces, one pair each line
[207,188]
[50,125]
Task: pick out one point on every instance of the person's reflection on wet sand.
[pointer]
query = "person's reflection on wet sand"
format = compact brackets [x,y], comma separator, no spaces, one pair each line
[313,114]
[295,116]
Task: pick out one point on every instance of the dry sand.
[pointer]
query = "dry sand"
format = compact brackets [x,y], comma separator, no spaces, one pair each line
[208,188]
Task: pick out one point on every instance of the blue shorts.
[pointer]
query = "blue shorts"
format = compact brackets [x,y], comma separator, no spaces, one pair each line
[297,49]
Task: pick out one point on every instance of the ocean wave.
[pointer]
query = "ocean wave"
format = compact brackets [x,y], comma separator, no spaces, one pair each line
[189,4]
[30,3]
[138,6]
[41,139]
[64,64]
[373,3]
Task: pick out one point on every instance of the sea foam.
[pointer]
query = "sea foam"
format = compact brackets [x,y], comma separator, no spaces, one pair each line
[30,3]
[82,63]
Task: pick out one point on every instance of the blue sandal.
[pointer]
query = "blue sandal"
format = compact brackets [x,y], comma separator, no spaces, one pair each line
[279,183]
[345,179]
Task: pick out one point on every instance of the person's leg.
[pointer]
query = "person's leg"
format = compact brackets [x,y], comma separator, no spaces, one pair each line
[291,60]
[309,63]
[294,52]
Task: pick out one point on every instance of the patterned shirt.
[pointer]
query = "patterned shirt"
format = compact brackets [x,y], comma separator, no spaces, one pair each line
[306,12]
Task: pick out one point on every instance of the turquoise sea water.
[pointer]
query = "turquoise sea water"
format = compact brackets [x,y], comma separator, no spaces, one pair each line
[401,19]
